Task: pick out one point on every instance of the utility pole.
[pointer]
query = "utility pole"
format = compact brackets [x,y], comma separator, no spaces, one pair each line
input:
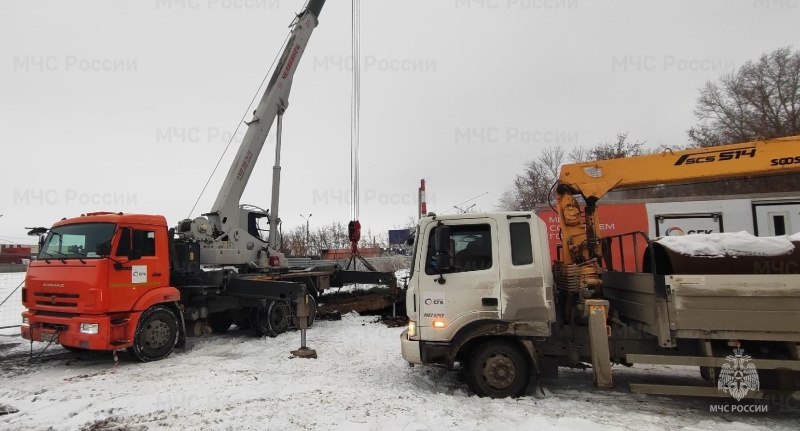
[308,241]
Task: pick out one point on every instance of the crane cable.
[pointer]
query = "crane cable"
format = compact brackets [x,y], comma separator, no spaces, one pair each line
[354,227]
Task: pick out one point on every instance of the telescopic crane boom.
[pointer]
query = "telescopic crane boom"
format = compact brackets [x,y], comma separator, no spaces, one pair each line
[230,234]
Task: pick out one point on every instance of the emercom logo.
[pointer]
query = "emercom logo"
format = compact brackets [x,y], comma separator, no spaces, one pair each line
[715,156]
[738,377]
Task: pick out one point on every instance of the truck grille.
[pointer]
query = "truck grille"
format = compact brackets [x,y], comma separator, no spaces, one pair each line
[40,313]
[56,299]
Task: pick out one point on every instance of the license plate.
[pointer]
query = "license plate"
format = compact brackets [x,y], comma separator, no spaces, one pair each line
[48,337]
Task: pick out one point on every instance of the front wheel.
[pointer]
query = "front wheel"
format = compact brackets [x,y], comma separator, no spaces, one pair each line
[156,334]
[497,369]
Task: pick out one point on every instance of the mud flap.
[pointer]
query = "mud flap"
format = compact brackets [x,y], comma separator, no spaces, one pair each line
[181,344]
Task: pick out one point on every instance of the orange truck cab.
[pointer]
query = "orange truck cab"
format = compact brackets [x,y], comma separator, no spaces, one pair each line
[109,281]
[94,278]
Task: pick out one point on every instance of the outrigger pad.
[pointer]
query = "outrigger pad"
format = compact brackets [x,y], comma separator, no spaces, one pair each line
[305,352]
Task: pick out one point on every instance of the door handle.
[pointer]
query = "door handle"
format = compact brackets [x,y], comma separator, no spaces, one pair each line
[489,302]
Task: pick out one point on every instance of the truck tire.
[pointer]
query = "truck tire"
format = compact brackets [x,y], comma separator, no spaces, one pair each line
[156,334]
[498,369]
[271,320]
[313,317]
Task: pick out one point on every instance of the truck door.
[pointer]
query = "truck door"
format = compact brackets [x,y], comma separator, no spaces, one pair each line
[140,265]
[469,289]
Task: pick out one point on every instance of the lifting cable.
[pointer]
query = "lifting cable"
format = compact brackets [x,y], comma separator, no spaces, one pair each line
[354,227]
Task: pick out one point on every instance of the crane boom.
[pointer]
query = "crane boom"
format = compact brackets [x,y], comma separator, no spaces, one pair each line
[592,180]
[230,234]
[225,212]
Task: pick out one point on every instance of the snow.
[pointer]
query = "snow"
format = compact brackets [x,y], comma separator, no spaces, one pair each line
[729,244]
[795,237]
[359,382]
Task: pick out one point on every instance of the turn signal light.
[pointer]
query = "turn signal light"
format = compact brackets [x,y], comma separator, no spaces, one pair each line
[438,324]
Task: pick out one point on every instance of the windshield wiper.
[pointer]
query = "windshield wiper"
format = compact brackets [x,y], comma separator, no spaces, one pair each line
[46,259]
[81,256]
[63,259]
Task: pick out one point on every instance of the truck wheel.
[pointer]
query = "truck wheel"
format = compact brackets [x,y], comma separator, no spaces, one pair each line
[497,369]
[271,320]
[156,334]
[219,322]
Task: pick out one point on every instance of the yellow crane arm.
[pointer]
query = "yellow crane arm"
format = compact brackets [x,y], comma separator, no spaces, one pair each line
[592,180]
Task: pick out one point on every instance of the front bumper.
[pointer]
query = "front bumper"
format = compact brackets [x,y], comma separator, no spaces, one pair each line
[113,333]
[410,349]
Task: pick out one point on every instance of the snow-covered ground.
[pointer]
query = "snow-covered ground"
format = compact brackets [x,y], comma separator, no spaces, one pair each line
[359,382]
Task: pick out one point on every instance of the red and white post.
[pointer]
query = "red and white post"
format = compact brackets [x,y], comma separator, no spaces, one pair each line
[423,206]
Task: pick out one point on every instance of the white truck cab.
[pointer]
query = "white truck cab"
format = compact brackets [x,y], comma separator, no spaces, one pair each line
[476,280]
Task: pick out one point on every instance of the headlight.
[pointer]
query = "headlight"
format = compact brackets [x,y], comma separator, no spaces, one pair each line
[25,320]
[90,328]
[412,328]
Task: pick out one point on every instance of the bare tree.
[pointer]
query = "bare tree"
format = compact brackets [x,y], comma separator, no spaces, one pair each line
[617,150]
[760,100]
[534,186]
[327,237]
[579,155]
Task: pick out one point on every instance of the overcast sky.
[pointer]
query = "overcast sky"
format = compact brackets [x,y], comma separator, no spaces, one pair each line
[128,105]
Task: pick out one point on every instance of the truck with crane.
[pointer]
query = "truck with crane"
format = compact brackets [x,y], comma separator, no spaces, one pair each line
[483,295]
[110,281]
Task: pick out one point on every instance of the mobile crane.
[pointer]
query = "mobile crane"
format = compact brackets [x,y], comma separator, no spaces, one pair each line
[482,293]
[109,281]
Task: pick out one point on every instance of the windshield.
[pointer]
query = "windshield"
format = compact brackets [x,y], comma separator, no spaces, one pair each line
[76,240]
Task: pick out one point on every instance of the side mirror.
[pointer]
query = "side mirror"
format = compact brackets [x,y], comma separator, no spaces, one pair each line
[442,244]
[37,231]
[443,261]
[135,254]
[410,240]
[103,249]
[442,239]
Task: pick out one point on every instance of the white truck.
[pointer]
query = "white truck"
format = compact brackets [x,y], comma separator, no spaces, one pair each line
[482,295]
